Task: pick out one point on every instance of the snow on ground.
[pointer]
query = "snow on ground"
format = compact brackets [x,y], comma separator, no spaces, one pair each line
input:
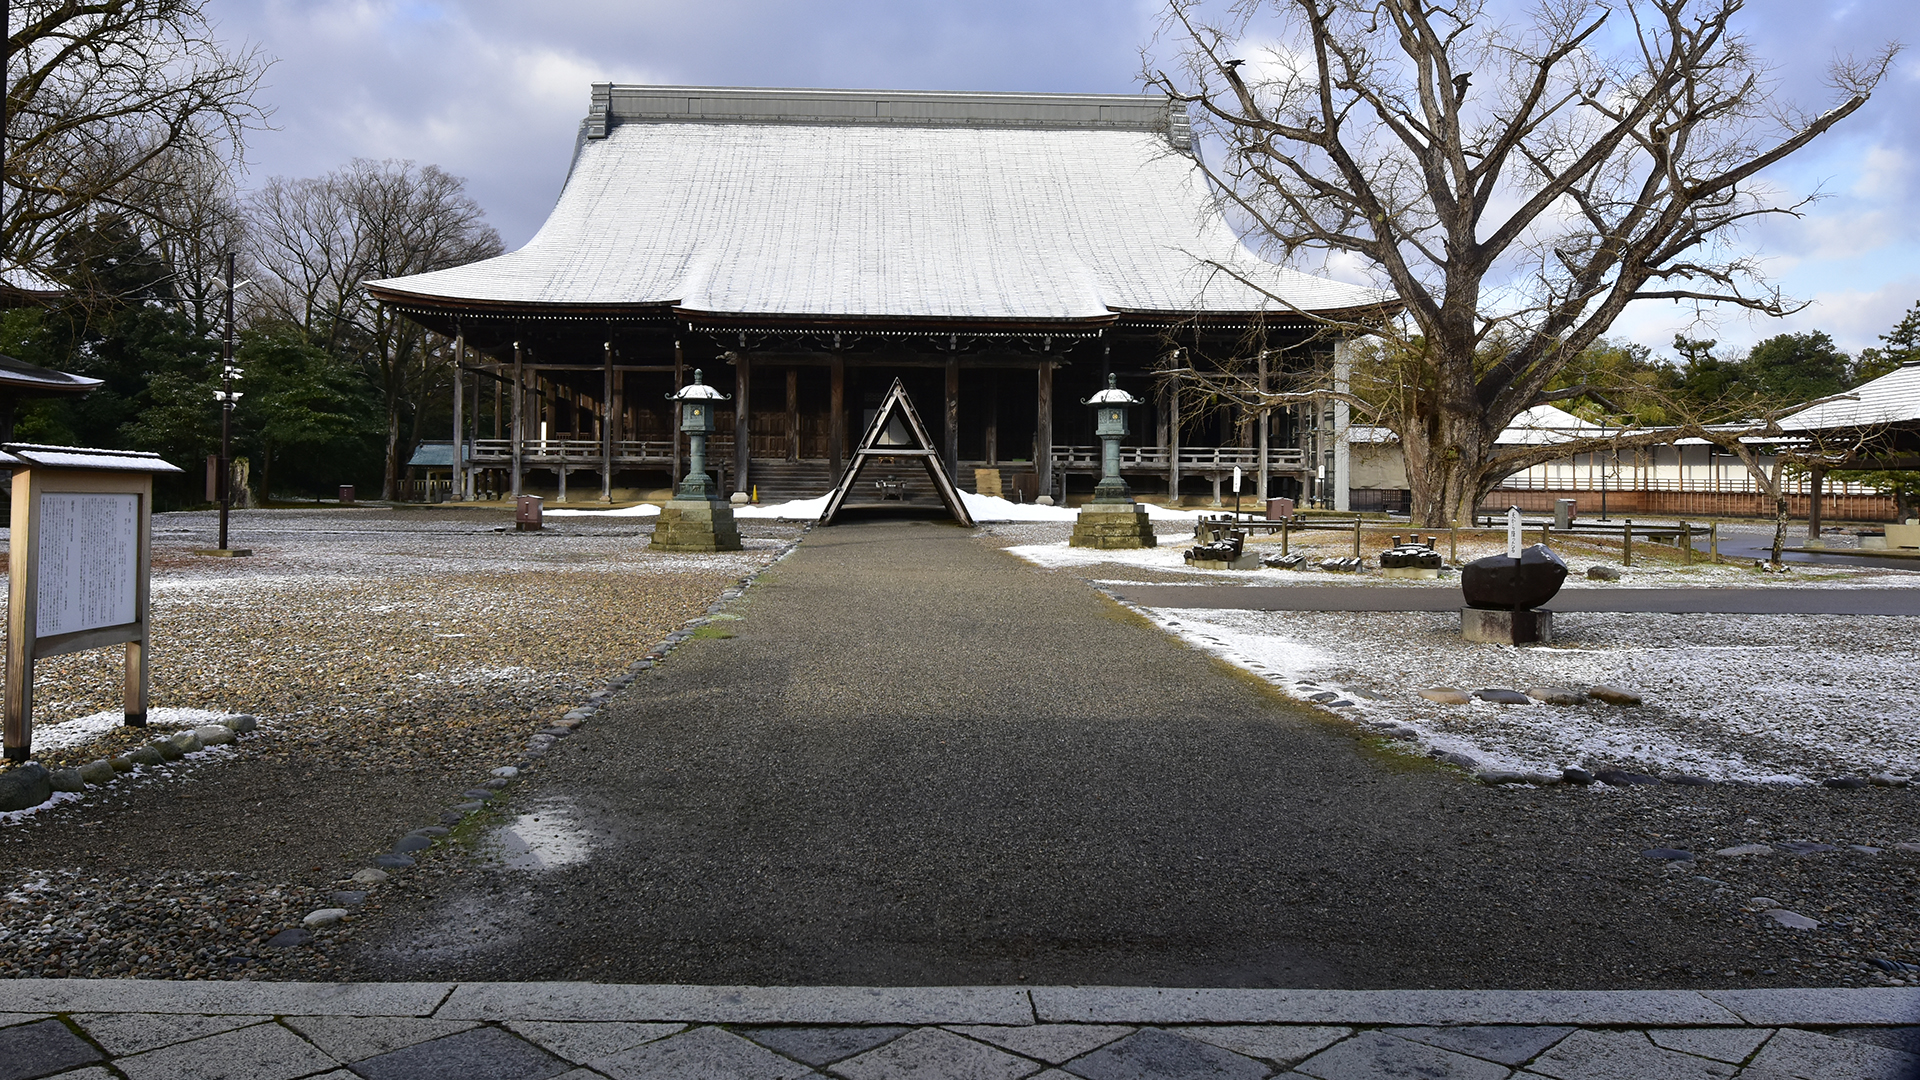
[984,508]
[60,735]
[1750,697]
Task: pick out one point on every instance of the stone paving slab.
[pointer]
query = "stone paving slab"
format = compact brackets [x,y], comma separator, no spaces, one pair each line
[214,998]
[740,1004]
[1126,1005]
[1892,1005]
[503,1031]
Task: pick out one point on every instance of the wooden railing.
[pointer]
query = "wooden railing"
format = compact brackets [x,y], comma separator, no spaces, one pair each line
[1197,459]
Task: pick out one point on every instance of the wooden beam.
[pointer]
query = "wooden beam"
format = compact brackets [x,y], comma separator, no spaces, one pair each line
[742,378]
[837,418]
[793,414]
[953,417]
[1043,431]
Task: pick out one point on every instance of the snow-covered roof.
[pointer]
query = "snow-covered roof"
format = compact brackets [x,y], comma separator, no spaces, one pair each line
[735,202]
[1538,426]
[1893,398]
[22,379]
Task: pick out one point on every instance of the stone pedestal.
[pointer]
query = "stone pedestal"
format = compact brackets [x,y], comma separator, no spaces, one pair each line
[696,525]
[1113,526]
[1507,627]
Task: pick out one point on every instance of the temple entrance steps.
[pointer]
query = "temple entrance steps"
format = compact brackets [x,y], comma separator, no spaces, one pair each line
[783,481]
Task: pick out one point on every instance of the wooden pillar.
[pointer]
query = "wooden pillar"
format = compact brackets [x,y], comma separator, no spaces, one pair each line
[519,419]
[459,483]
[1173,444]
[1818,478]
[673,411]
[993,419]
[953,418]
[793,414]
[1261,422]
[499,406]
[742,378]
[837,416]
[617,416]
[1043,430]
[606,425]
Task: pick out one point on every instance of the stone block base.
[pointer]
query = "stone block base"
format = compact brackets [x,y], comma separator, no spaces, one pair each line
[1507,627]
[1113,526]
[695,525]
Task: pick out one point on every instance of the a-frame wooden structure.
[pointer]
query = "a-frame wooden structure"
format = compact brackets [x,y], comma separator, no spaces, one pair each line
[880,441]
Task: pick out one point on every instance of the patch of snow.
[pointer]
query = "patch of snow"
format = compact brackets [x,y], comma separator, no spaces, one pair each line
[15,817]
[62,734]
[637,510]
[1764,698]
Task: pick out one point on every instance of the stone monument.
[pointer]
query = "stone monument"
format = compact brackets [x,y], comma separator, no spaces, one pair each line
[1504,592]
[694,519]
[1112,520]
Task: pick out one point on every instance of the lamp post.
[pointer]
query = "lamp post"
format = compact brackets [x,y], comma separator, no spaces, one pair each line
[1112,520]
[227,396]
[697,401]
[1110,423]
[693,520]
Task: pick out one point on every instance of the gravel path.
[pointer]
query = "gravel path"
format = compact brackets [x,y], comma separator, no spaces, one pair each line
[394,657]
[915,760]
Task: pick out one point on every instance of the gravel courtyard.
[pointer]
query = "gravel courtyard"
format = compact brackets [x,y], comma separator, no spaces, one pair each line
[393,656]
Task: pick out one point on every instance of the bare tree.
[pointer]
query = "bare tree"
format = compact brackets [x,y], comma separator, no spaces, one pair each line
[1516,185]
[99,92]
[313,242]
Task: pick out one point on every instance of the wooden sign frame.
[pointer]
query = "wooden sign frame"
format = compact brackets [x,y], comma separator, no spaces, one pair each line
[39,472]
[897,402]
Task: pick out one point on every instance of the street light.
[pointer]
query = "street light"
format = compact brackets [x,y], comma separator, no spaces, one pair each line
[227,396]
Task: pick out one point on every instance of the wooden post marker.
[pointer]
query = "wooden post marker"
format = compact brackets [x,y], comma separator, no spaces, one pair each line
[79,563]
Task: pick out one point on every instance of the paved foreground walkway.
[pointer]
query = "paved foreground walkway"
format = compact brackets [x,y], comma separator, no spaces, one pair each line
[1799,600]
[530,1031]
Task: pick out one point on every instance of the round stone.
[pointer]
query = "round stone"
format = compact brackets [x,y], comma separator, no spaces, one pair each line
[1502,696]
[392,861]
[167,749]
[1576,776]
[370,876]
[324,917]
[287,939]
[410,842]
[1613,695]
[506,772]
[1668,854]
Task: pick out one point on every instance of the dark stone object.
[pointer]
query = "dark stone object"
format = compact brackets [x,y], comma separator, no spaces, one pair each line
[1688,780]
[1500,696]
[431,830]
[146,755]
[41,1049]
[451,817]
[1620,779]
[1804,847]
[1162,1053]
[411,842]
[392,861]
[482,1052]
[823,1045]
[496,783]
[1411,556]
[25,786]
[478,793]
[1603,573]
[348,898]
[557,732]
[1669,854]
[1498,583]
[168,750]
[288,938]
[1576,776]
[1452,758]
[1846,782]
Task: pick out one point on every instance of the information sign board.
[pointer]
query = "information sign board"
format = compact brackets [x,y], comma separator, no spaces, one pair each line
[89,561]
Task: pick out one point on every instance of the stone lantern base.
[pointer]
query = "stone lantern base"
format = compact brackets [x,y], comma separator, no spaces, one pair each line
[1525,627]
[1113,526]
[695,525]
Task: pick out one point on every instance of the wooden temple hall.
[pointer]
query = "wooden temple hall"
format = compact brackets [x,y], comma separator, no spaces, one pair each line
[999,254]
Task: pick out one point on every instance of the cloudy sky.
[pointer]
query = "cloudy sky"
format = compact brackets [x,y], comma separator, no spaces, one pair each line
[492,90]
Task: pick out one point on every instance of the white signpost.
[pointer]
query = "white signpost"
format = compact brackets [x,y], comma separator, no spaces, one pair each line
[1513,532]
[78,565]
